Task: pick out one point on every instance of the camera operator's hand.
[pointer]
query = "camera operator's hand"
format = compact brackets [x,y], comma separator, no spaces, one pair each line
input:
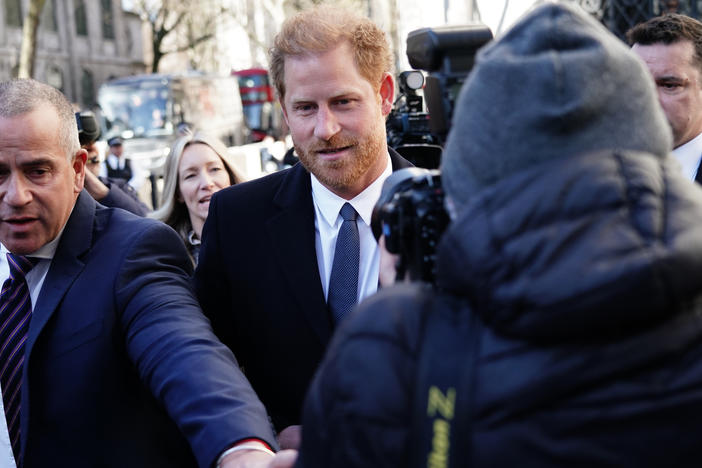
[92,184]
[388,263]
[95,188]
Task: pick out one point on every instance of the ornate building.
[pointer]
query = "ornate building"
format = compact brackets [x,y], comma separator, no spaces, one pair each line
[80,44]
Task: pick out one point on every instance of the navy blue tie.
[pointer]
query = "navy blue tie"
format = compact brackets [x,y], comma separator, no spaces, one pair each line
[15,314]
[343,282]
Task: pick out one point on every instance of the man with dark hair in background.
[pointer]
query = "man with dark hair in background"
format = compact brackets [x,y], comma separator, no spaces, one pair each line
[285,257]
[566,326]
[671,46]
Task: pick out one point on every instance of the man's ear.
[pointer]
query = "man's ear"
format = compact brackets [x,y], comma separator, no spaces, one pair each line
[78,165]
[387,93]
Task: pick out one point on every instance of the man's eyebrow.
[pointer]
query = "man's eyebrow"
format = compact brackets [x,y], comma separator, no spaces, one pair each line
[345,94]
[670,78]
[36,162]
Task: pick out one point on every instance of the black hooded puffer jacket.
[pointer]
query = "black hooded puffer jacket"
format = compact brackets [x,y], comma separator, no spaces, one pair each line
[583,279]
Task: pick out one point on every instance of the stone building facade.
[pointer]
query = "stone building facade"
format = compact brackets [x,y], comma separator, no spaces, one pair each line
[80,44]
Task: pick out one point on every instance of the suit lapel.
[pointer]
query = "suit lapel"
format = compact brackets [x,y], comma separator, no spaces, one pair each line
[294,226]
[293,238]
[65,265]
[64,269]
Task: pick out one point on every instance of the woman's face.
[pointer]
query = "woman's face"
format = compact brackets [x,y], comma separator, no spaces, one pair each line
[200,174]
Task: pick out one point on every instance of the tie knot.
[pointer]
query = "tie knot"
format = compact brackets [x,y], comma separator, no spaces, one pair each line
[20,265]
[348,213]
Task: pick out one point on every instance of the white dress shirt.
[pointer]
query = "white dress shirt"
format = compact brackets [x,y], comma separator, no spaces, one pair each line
[688,155]
[35,279]
[327,222]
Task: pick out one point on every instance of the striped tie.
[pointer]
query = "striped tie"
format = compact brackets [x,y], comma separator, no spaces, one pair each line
[15,313]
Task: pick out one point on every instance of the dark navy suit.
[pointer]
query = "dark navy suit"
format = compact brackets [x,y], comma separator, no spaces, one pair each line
[121,367]
[259,283]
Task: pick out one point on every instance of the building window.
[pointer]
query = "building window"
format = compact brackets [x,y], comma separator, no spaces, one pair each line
[13,13]
[48,16]
[81,22]
[87,87]
[130,40]
[108,30]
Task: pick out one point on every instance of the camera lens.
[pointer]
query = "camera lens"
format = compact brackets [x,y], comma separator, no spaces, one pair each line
[414,79]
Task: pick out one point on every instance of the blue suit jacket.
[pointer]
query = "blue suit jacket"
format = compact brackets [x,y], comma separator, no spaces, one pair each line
[121,367]
[258,281]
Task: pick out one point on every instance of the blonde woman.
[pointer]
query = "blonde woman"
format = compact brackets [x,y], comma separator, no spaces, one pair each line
[196,168]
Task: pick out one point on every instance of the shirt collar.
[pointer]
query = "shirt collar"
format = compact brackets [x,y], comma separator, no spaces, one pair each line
[330,204]
[193,239]
[689,156]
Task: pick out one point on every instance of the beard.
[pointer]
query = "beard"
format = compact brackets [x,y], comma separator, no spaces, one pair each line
[344,173]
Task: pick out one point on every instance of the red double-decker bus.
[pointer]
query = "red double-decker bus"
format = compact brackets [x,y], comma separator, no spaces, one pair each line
[258,101]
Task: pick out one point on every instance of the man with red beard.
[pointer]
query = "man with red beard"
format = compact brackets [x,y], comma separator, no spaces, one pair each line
[267,276]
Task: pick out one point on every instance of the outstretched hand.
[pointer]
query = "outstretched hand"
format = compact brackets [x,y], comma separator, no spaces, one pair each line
[283,459]
[252,459]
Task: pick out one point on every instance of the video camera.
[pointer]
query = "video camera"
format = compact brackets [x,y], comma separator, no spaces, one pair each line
[448,54]
[88,127]
[410,212]
[407,123]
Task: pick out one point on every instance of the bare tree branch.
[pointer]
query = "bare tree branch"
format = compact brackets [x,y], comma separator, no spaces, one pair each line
[192,22]
[191,44]
[29,39]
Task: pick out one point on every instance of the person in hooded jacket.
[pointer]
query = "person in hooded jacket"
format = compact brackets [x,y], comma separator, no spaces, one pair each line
[570,277]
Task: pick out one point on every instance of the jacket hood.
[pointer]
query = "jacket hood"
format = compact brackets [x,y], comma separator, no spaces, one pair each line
[556,84]
[596,244]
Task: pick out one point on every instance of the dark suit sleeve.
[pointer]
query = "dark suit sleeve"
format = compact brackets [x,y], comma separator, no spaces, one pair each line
[122,196]
[187,369]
